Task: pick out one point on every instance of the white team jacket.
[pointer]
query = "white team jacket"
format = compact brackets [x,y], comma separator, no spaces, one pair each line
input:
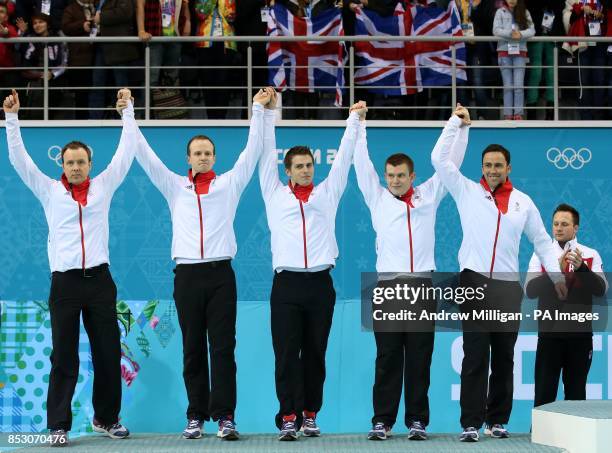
[78,235]
[590,256]
[491,239]
[405,236]
[303,234]
[203,225]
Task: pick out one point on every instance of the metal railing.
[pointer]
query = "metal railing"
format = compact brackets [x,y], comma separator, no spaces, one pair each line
[146,108]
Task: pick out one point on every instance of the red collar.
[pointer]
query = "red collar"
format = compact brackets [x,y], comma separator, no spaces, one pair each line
[202,181]
[79,191]
[501,194]
[407,197]
[302,193]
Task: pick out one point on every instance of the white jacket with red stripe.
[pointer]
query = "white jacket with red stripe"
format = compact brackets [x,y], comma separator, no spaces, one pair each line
[405,236]
[78,235]
[303,235]
[203,225]
[590,257]
[491,239]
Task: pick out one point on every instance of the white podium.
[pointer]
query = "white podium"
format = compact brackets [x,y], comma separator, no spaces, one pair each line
[576,426]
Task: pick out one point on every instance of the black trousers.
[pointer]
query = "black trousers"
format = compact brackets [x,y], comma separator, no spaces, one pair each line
[95,296]
[205,298]
[484,398]
[302,308]
[402,357]
[569,357]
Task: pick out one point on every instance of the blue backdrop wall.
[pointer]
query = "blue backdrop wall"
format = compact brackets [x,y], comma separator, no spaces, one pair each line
[140,261]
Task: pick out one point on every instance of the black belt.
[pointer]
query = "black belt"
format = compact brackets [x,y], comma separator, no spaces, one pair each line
[205,265]
[303,273]
[87,272]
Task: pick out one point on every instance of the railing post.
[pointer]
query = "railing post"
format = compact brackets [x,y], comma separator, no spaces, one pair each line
[556,81]
[147,80]
[46,83]
[453,77]
[351,75]
[249,80]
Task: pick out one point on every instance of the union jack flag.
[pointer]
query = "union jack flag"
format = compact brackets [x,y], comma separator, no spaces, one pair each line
[306,65]
[406,67]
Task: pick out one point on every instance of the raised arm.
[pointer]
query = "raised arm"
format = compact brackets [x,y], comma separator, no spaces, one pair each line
[457,153]
[36,180]
[335,183]
[448,154]
[268,165]
[245,165]
[459,146]
[367,178]
[158,173]
[113,175]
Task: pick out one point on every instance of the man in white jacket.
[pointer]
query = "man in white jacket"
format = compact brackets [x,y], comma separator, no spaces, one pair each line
[493,217]
[404,219]
[76,208]
[302,219]
[203,207]
[565,348]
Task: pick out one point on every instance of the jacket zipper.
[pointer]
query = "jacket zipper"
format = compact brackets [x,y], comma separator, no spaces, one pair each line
[82,237]
[410,238]
[496,236]
[304,234]
[201,223]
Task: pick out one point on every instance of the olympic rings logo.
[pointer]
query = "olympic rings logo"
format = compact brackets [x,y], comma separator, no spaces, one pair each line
[569,157]
[55,154]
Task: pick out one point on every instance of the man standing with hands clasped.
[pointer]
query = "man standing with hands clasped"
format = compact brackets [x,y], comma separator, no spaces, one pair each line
[567,352]
[404,219]
[493,217]
[76,208]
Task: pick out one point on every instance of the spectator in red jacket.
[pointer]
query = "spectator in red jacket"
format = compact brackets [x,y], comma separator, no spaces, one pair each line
[588,19]
[7,30]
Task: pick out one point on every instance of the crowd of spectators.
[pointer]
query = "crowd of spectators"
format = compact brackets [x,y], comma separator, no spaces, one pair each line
[511,79]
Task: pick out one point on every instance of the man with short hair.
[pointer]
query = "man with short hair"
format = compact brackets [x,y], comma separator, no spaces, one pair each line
[203,206]
[567,353]
[404,218]
[493,217]
[302,217]
[76,208]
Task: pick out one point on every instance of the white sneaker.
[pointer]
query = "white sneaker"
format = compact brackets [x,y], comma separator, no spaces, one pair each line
[194,429]
[114,431]
[379,432]
[497,431]
[469,435]
[227,429]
